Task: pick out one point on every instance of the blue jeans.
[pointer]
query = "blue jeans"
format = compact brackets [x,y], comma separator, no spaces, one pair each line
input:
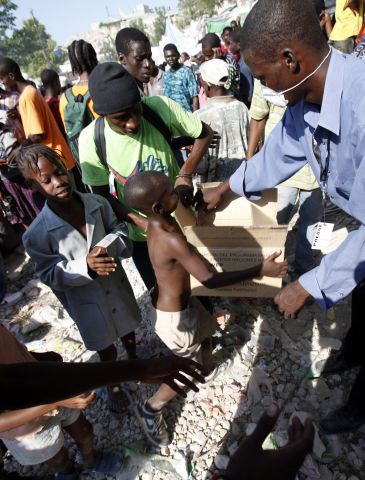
[310,213]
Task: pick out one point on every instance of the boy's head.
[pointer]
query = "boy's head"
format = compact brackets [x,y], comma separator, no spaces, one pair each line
[134,53]
[51,81]
[172,55]
[225,35]
[44,169]
[209,42]
[82,57]
[151,193]
[235,41]
[282,48]
[234,24]
[216,77]
[116,96]
[10,74]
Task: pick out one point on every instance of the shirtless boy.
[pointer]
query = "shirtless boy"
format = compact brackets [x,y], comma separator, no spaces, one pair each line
[181,321]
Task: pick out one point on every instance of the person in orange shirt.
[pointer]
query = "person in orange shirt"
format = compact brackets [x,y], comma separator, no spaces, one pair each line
[38,121]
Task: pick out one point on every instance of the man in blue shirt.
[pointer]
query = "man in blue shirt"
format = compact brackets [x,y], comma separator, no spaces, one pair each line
[325,126]
[179,82]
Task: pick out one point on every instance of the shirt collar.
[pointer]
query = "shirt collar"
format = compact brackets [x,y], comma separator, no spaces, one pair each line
[330,115]
[53,221]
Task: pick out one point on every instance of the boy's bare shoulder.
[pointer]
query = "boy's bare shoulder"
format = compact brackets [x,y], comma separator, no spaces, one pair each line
[171,239]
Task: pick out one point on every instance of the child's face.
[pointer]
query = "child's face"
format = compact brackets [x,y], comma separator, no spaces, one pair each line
[169,198]
[51,180]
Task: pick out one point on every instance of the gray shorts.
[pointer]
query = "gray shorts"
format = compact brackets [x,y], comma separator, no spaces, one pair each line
[43,445]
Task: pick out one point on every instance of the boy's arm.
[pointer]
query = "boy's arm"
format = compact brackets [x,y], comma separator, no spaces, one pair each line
[197,266]
[17,418]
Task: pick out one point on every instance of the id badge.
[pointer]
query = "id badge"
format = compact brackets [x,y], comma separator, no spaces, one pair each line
[322,235]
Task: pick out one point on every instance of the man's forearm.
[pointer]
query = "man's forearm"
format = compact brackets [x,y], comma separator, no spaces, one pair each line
[120,210]
[257,128]
[195,103]
[36,138]
[30,384]
[223,279]
[200,146]
[339,272]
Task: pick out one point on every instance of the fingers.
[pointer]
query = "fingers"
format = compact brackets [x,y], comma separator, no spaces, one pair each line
[89,398]
[265,426]
[180,391]
[186,381]
[274,255]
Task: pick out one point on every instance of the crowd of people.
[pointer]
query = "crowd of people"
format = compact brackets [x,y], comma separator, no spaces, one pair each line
[92,174]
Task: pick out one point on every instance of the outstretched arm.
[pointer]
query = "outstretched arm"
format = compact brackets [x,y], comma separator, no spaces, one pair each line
[28,384]
[199,268]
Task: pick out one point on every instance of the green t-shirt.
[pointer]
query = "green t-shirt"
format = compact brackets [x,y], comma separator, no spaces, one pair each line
[147,150]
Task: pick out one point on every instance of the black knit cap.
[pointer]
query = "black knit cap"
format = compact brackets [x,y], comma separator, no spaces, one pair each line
[112,89]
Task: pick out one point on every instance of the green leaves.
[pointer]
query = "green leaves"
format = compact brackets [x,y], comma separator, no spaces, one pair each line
[30,46]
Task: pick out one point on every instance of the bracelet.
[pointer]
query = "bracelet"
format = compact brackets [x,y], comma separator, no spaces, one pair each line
[185,175]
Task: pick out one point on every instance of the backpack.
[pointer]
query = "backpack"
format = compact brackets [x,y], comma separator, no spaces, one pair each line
[77,116]
[154,119]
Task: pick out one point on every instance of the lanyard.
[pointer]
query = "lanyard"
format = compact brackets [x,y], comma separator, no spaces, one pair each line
[324,172]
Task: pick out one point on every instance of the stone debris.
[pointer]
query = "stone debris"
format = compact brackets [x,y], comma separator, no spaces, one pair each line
[271,360]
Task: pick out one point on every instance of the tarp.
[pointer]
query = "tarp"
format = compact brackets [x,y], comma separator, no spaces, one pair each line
[217,23]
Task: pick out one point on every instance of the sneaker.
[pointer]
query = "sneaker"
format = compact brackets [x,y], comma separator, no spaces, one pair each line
[153,425]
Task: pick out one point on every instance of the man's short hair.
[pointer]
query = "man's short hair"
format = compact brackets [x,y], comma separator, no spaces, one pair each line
[7,65]
[319,6]
[266,29]
[210,40]
[170,46]
[227,29]
[127,36]
[49,77]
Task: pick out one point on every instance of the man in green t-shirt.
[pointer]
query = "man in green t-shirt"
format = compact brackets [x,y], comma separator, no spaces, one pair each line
[133,145]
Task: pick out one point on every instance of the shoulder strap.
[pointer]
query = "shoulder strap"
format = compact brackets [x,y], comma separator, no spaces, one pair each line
[69,95]
[154,119]
[99,137]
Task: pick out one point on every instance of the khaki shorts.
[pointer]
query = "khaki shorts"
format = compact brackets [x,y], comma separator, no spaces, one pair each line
[43,445]
[183,332]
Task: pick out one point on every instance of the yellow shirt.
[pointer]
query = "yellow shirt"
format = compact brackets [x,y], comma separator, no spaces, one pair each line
[76,90]
[348,22]
[37,118]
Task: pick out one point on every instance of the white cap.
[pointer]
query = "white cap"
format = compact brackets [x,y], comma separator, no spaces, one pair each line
[215,72]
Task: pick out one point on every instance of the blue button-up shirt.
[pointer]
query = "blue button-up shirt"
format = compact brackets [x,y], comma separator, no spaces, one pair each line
[338,128]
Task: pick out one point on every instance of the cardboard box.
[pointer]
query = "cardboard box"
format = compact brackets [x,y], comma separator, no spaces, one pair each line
[237,235]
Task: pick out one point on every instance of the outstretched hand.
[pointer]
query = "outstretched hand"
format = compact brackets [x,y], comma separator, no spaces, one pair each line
[170,370]
[270,268]
[252,462]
